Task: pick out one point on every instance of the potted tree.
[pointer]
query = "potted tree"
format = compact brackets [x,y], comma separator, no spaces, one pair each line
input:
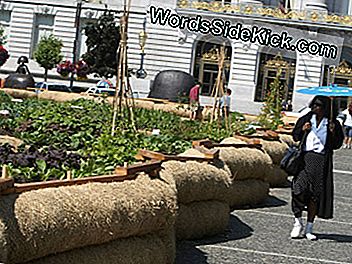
[48,53]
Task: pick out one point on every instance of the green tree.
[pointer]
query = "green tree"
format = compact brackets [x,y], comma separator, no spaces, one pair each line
[48,53]
[271,116]
[103,39]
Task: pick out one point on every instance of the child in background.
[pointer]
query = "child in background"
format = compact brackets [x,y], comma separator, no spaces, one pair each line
[225,102]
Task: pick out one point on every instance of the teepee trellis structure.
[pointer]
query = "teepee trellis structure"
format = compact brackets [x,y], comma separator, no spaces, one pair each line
[123,93]
[219,86]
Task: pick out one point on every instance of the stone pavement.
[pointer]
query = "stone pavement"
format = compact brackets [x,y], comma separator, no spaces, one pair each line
[261,235]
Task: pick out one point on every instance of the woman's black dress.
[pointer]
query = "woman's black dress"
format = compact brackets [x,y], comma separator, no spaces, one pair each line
[315,181]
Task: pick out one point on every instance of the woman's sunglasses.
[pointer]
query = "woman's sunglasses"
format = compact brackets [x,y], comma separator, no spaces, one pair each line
[317,105]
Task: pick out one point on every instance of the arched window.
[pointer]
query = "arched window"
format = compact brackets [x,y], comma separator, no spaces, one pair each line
[341,74]
[269,66]
[206,64]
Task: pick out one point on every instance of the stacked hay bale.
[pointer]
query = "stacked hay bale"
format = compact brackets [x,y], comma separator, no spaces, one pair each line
[288,139]
[274,174]
[83,223]
[247,167]
[202,191]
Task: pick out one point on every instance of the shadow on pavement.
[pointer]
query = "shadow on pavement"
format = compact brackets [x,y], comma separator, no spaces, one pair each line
[335,237]
[272,201]
[187,251]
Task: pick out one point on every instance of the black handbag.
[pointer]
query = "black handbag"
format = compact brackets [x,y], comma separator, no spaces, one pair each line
[293,162]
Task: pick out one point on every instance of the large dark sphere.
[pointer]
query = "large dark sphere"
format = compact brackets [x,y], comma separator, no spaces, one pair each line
[17,80]
[171,84]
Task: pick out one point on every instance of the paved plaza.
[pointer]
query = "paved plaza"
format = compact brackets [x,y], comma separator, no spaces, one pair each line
[261,234]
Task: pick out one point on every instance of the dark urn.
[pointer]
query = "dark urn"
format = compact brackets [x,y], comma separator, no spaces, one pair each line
[171,85]
[22,78]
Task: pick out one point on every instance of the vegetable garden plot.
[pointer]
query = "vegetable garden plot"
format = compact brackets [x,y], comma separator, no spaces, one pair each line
[76,136]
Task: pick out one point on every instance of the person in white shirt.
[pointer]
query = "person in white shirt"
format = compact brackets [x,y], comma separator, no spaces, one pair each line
[313,187]
[348,126]
[225,102]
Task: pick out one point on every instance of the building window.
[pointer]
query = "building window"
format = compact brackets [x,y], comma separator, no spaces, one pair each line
[43,26]
[5,19]
[206,68]
[340,75]
[269,66]
[82,38]
[338,6]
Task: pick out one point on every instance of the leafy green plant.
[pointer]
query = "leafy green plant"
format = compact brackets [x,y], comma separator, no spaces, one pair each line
[48,53]
[76,136]
[103,39]
[271,116]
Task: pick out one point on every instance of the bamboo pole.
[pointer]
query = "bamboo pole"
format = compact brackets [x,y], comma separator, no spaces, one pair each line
[123,88]
[219,85]
[5,172]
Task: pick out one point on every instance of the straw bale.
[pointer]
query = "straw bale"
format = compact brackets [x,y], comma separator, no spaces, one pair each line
[275,176]
[53,220]
[248,193]
[161,107]
[199,219]
[144,104]
[14,142]
[232,140]
[197,181]
[288,139]
[192,152]
[153,248]
[18,93]
[245,163]
[275,149]
[59,96]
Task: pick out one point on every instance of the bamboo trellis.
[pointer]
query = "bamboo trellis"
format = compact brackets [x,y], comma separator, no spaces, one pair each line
[123,92]
[219,88]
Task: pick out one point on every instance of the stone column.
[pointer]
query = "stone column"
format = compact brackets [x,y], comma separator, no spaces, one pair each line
[320,5]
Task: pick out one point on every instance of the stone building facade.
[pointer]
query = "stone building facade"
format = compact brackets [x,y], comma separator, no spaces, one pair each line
[249,67]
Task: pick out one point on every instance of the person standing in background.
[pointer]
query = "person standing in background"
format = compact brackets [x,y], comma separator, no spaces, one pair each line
[225,102]
[348,126]
[194,101]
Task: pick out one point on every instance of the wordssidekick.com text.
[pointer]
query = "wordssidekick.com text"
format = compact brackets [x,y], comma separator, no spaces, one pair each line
[254,34]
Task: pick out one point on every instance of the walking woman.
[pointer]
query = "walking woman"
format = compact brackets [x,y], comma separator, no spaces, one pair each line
[312,188]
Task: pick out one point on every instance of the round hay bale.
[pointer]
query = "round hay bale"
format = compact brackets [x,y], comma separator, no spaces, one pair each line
[197,181]
[199,219]
[275,176]
[288,139]
[232,140]
[248,193]
[148,249]
[275,149]
[245,163]
[38,223]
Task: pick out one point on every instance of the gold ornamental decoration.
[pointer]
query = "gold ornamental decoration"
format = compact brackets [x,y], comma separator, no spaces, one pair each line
[277,62]
[343,69]
[218,7]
